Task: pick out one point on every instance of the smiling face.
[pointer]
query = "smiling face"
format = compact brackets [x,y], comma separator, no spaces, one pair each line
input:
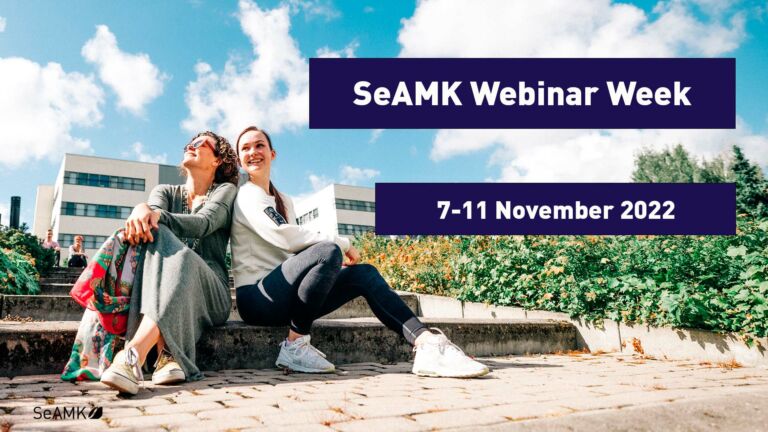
[255,154]
[199,154]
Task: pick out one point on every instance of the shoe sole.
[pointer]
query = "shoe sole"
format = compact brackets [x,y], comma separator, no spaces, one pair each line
[298,368]
[120,383]
[432,374]
[169,378]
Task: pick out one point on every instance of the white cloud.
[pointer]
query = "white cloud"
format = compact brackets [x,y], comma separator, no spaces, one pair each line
[315,8]
[588,155]
[133,77]
[39,107]
[346,52]
[578,28]
[6,214]
[368,9]
[137,152]
[319,182]
[272,91]
[553,28]
[352,176]
[2,24]
[375,135]
[348,175]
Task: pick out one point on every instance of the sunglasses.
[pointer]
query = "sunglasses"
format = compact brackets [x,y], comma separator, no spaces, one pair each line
[201,142]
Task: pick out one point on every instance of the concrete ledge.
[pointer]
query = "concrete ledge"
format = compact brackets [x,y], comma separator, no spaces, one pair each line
[63,308]
[692,344]
[440,307]
[669,343]
[44,347]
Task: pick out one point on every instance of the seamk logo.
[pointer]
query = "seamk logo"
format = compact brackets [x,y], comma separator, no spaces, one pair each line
[68,413]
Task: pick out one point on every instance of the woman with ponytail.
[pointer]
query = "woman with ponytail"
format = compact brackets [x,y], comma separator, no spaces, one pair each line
[288,275]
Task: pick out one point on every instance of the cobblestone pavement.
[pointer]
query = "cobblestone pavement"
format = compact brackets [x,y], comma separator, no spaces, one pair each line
[557,392]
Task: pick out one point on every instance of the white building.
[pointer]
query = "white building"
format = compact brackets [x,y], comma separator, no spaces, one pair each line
[93,196]
[338,209]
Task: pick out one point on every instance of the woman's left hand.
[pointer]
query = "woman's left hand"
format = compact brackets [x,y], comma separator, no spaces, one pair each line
[353,256]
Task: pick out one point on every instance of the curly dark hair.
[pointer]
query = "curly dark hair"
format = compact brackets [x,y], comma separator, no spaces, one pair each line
[228,171]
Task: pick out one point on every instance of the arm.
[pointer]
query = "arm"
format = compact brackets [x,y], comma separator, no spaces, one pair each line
[214,214]
[145,216]
[264,220]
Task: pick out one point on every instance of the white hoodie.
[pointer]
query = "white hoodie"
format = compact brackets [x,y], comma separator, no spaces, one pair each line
[261,239]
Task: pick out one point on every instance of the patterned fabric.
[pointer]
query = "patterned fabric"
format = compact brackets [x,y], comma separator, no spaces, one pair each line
[104,289]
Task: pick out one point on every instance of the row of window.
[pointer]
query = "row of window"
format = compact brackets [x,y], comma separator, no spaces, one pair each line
[105,181]
[350,229]
[306,217]
[95,210]
[95,241]
[89,241]
[347,204]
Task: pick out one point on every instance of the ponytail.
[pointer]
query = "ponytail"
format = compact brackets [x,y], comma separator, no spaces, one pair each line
[278,201]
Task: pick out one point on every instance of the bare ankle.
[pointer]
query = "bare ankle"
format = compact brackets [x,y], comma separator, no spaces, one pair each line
[292,336]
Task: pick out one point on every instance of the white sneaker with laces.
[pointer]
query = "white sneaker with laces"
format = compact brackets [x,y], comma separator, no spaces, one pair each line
[124,374]
[167,370]
[300,356]
[439,357]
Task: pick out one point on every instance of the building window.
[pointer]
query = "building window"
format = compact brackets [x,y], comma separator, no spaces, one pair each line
[89,241]
[350,229]
[306,217]
[105,181]
[95,210]
[345,204]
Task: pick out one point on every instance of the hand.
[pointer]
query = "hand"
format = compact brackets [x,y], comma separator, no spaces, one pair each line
[353,256]
[139,225]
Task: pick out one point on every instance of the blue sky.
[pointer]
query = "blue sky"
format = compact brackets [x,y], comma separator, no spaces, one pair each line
[132,81]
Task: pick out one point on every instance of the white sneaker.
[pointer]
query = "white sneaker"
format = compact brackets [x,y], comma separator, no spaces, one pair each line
[438,357]
[167,370]
[124,374]
[300,356]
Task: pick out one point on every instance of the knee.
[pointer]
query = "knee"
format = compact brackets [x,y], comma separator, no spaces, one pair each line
[163,231]
[370,274]
[329,252]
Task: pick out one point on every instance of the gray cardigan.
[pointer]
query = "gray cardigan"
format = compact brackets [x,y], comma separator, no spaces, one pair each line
[210,223]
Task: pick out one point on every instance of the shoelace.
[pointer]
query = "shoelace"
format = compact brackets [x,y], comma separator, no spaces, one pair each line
[164,358]
[444,343]
[309,346]
[132,359]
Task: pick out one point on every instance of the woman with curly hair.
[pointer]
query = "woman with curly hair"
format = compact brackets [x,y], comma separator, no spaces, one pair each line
[181,286]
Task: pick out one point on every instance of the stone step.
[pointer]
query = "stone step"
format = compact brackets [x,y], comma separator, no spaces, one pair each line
[63,288]
[64,308]
[28,348]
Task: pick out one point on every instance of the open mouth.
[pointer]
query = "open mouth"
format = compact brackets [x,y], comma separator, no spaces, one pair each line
[254,162]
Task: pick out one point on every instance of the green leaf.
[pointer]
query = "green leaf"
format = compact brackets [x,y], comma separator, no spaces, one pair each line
[737,251]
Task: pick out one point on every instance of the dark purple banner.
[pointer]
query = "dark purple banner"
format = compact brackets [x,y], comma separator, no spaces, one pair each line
[555,208]
[416,93]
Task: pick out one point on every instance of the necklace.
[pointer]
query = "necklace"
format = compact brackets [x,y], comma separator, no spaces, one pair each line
[192,243]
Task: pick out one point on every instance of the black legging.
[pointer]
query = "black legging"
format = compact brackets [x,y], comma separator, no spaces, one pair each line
[77,261]
[312,283]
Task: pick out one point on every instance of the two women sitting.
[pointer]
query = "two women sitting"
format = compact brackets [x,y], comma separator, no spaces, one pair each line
[285,274]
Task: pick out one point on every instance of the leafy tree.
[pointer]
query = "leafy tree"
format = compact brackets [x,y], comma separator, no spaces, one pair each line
[751,186]
[673,165]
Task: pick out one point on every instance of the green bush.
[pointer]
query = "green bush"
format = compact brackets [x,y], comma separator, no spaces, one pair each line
[27,244]
[709,282]
[18,275]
